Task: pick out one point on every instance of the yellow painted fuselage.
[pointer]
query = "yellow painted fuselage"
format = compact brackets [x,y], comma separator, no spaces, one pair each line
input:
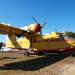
[40,43]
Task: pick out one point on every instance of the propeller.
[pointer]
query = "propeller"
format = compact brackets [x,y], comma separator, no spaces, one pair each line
[34,20]
[40,26]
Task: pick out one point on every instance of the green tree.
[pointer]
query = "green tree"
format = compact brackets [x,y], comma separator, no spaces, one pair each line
[70,34]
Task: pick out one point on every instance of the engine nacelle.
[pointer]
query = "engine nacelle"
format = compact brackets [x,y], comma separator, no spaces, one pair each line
[34,28]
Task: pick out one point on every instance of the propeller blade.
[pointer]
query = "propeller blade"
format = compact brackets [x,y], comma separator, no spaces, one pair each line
[34,20]
[40,31]
[43,24]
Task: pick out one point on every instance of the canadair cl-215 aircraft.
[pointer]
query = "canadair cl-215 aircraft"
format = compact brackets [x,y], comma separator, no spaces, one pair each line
[30,40]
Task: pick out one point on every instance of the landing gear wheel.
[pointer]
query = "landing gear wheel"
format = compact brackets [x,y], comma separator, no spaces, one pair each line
[26,53]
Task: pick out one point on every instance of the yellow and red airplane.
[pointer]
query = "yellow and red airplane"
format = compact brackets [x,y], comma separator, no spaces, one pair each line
[30,40]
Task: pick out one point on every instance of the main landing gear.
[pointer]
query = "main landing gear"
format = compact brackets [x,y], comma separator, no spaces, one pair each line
[27,52]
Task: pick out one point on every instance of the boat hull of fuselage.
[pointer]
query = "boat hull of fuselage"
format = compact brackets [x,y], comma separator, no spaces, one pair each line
[42,45]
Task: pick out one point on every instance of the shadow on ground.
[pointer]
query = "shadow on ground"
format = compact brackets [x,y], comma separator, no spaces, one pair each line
[34,64]
[7,58]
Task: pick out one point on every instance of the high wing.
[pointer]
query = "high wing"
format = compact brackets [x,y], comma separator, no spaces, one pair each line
[5,29]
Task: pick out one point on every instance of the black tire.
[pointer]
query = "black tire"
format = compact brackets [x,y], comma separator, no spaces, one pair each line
[26,53]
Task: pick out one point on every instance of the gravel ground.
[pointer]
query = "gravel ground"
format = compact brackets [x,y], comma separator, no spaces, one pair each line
[51,64]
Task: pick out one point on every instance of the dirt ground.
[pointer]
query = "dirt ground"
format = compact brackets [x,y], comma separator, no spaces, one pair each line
[51,64]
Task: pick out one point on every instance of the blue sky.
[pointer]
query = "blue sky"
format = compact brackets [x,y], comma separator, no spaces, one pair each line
[59,14]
